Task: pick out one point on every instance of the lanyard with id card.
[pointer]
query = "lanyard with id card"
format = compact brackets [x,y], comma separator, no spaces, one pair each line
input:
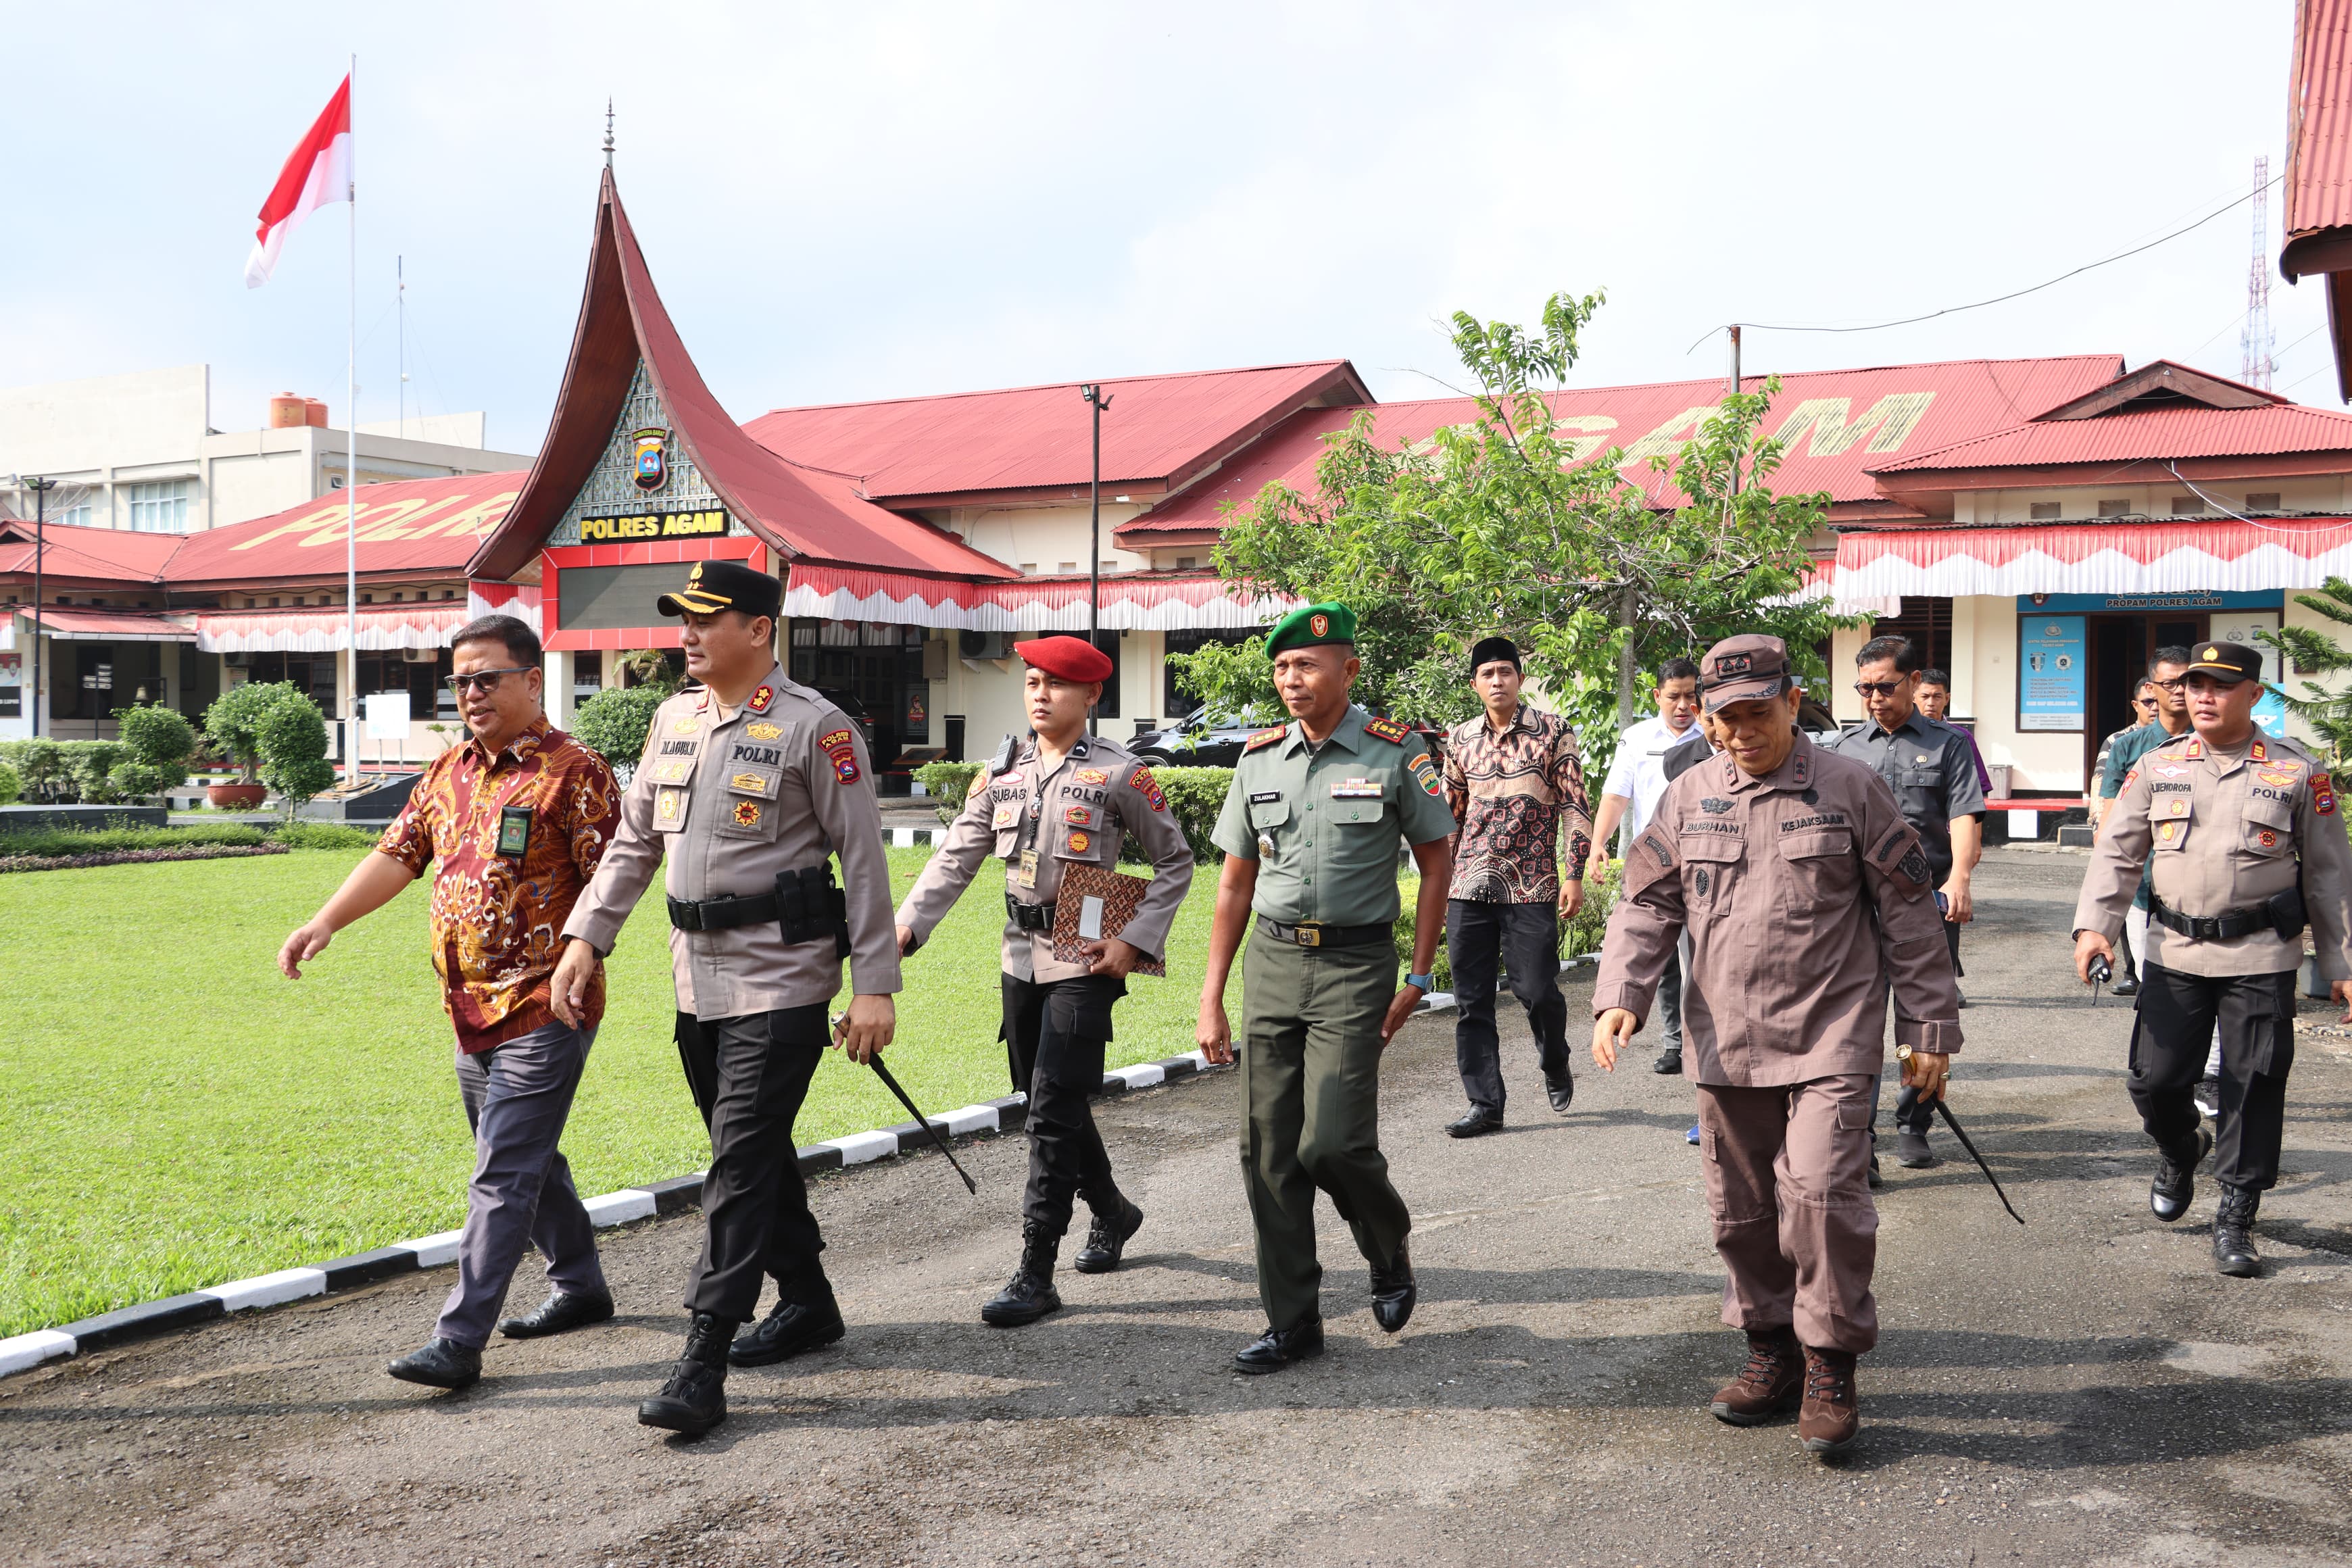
[1027,876]
[514,831]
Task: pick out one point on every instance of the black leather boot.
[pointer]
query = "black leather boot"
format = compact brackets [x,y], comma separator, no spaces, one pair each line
[442,1364]
[694,1400]
[1107,1238]
[1394,1290]
[789,1329]
[2175,1185]
[2233,1224]
[1029,1295]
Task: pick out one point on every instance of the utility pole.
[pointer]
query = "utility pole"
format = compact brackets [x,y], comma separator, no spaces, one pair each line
[40,489]
[1093,393]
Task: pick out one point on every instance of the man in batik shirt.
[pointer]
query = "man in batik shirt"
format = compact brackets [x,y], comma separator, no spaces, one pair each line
[1515,778]
[513,824]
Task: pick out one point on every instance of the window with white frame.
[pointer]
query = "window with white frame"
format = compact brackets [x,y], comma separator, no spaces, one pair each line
[162,507]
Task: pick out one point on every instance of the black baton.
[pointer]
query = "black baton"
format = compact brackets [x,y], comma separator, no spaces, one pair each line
[1904,1053]
[882,1072]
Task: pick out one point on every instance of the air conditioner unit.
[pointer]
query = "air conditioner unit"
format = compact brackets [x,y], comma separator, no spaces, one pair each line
[984,645]
[236,660]
[419,655]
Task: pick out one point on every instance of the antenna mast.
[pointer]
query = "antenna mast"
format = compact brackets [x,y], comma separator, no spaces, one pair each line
[2257,344]
[400,302]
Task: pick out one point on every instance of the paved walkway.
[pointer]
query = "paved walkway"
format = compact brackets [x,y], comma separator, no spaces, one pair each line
[2084,1391]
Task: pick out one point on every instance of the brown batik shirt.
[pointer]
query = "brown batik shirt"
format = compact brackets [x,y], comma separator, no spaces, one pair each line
[1514,792]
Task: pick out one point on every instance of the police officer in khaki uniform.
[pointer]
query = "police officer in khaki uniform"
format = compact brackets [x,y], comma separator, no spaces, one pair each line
[2243,845]
[1805,896]
[1060,799]
[748,785]
[1310,830]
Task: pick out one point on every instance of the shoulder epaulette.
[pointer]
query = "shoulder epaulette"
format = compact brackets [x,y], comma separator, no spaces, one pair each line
[1265,738]
[1387,730]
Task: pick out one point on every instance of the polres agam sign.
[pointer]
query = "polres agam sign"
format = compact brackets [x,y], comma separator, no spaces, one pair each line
[707,523]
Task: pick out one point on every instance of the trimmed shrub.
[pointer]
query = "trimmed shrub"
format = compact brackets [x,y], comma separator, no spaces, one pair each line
[11,785]
[324,836]
[91,766]
[1196,797]
[158,742]
[950,783]
[54,842]
[40,769]
[233,724]
[292,738]
[613,724]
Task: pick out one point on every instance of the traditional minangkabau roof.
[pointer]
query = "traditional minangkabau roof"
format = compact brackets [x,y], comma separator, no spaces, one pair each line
[1836,423]
[801,513]
[1158,434]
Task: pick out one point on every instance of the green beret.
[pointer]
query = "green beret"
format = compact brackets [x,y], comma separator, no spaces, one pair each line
[1310,626]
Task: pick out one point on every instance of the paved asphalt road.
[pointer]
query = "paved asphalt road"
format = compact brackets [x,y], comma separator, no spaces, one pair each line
[2084,1391]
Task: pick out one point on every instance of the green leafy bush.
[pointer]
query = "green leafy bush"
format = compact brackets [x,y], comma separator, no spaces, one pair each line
[1583,934]
[91,764]
[324,836]
[613,724]
[11,785]
[291,736]
[158,742]
[1196,797]
[950,783]
[62,841]
[40,768]
[233,724]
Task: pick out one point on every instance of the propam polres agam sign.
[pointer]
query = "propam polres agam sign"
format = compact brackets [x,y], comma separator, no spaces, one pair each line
[706,524]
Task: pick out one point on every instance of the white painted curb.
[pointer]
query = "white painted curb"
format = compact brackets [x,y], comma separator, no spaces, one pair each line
[269,1289]
[969,1119]
[1143,1075]
[432,1251]
[860,1147]
[29,1351]
[619,1208]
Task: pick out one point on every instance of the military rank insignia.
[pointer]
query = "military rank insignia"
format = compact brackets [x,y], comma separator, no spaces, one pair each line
[839,745]
[761,700]
[1387,730]
[1144,783]
[1264,738]
[764,731]
[747,813]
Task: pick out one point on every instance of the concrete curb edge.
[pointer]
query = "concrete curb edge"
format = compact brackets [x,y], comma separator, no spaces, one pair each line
[24,1351]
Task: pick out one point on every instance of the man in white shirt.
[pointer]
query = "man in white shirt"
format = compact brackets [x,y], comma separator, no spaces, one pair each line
[1636,781]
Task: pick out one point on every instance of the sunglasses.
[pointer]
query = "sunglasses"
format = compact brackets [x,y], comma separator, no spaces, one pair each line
[2173,684]
[484,680]
[1879,688]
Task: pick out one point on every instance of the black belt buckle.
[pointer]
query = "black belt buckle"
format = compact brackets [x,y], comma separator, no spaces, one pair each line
[685,914]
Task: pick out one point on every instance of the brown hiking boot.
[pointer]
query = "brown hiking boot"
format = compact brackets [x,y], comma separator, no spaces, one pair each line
[1831,1415]
[1767,1384]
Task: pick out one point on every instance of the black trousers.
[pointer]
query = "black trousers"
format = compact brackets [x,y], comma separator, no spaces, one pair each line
[1526,937]
[2171,1033]
[750,1076]
[1053,1038]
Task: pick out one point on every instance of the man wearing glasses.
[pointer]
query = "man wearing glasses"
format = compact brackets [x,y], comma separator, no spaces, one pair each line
[514,824]
[2166,684]
[1932,769]
[2143,713]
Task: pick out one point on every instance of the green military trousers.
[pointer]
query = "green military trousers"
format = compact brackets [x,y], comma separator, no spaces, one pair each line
[1311,1077]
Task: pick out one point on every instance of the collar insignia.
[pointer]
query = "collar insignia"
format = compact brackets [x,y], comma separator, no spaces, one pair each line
[762,698]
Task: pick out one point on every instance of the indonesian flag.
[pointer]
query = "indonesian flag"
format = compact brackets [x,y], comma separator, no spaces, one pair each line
[316,172]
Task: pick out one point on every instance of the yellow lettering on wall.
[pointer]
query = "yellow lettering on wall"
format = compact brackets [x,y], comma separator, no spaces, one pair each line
[303,525]
[652,525]
[384,523]
[1889,422]
[1672,435]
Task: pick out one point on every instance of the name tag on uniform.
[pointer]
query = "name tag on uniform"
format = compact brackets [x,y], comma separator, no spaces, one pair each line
[1265,797]
[514,831]
[1357,789]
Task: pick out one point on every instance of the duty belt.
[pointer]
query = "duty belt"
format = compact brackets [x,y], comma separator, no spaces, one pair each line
[1315,933]
[722,914]
[2212,928]
[1028,917]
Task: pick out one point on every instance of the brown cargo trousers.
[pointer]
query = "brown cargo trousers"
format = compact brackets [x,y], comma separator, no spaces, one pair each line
[1310,1059]
[1787,1183]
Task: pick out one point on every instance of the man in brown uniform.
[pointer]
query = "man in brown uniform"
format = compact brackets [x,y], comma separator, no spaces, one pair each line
[2244,844]
[1804,893]
[748,787]
[1058,799]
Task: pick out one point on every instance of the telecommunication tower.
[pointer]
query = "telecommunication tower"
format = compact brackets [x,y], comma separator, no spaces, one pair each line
[2256,343]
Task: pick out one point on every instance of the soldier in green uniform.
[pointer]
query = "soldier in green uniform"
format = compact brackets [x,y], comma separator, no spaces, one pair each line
[1309,831]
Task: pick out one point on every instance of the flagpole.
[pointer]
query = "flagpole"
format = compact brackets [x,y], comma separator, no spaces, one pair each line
[351,461]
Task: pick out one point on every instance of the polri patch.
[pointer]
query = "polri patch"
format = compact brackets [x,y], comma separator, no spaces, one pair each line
[2323,794]
[839,745]
[1141,781]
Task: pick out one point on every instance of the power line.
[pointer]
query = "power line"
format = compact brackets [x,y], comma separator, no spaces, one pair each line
[2014,294]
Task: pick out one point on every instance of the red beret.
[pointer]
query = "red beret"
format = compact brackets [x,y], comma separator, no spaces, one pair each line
[1069,658]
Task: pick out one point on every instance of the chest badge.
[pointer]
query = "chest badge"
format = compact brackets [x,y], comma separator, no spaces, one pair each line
[764,731]
[1091,776]
[1356,789]
[2266,838]
[1008,814]
[1079,816]
[685,726]
[671,805]
[747,813]
[1078,843]
[2168,832]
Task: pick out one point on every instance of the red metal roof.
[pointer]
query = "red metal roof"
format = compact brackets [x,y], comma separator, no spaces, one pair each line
[2169,431]
[406,526]
[67,622]
[805,513]
[86,555]
[1159,429]
[2319,126]
[1837,423]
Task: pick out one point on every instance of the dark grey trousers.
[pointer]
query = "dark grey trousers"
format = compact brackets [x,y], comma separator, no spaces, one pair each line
[749,1073]
[1526,938]
[518,1096]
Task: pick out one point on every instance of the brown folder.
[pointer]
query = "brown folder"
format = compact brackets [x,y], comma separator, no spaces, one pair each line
[1094,903]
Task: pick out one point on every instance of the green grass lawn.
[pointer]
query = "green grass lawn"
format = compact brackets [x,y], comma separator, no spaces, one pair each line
[174,1113]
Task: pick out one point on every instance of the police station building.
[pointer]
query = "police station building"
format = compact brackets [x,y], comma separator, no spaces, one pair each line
[2038,526]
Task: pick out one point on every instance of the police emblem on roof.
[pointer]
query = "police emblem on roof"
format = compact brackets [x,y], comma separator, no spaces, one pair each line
[649,466]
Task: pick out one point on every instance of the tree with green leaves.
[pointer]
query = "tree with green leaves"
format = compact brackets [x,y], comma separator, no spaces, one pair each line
[614,723]
[2310,652]
[160,743]
[1513,522]
[292,739]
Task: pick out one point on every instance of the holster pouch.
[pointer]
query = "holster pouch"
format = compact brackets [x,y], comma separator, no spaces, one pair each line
[2286,912]
[811,909]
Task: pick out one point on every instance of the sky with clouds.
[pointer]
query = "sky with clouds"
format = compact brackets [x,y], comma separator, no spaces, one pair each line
[845,202]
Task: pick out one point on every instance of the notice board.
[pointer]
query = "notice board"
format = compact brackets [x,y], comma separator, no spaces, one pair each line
[2051,666]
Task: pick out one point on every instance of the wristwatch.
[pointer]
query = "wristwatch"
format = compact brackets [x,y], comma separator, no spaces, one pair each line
[1423,981]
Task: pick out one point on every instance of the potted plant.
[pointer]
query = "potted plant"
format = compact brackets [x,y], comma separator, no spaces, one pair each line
[232,728]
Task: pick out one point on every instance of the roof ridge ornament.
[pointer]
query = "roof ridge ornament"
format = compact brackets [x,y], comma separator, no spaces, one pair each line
[608,132]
